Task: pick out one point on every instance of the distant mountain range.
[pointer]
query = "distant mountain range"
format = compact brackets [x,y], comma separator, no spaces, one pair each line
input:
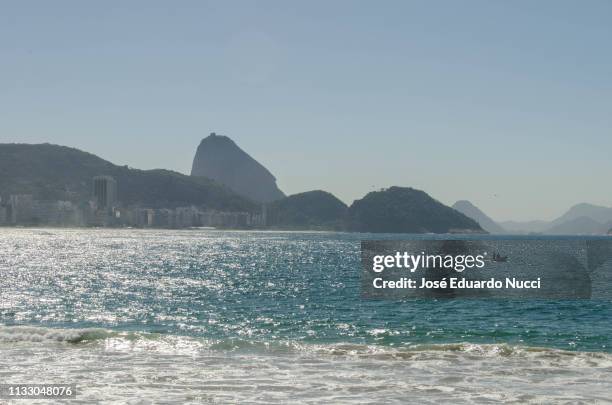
[580,226]
[52,172]
[471,211]
[392,210]
[595,212]
[241,184]
[581,219]
[535,226]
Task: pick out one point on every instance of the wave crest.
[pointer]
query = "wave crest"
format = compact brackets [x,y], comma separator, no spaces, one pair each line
[155,342]
[9,334]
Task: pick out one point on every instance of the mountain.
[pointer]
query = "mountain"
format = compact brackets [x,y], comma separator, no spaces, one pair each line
[406,210]
[220,159]
[53,172]
[581,218]
[579,226]
[471,211]
[310,210]
[595,212]
[525,227]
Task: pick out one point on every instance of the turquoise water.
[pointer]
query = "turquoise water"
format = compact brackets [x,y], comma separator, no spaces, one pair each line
[264,287]
[267,298]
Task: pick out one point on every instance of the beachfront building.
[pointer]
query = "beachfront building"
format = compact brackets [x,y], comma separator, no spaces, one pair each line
[105,192]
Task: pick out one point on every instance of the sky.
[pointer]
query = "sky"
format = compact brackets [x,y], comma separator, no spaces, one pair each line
[507,104]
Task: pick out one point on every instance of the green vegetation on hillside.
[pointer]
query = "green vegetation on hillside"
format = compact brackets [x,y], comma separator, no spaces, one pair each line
[406,210]
[310,210]
[52,172]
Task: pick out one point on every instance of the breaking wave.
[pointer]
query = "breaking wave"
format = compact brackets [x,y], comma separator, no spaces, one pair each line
[115,365]
[162,342]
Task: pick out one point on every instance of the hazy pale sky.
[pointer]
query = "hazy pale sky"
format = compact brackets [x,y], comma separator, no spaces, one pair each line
[505,103]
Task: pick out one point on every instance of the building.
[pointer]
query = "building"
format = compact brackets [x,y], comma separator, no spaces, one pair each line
[3,211]
[104,192]
[56,213]
[20,209]
[46,212]
[185,217]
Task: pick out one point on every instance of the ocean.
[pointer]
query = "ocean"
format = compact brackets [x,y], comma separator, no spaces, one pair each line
[207,316]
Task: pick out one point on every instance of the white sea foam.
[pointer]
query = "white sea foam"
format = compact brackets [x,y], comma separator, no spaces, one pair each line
[39,334]
[122,368]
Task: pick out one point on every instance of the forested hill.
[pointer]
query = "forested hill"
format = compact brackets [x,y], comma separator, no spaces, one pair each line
[406,210]
[53,172]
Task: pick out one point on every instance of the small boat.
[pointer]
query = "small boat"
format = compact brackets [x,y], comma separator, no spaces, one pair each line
[499,258]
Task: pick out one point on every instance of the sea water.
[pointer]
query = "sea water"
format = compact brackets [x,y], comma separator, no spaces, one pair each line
[204,316]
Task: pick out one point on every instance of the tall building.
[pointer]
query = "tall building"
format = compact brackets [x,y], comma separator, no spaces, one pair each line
[20,209]
[3,213]
[104,192]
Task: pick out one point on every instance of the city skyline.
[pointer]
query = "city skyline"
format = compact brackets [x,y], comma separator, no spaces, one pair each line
[473,101]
